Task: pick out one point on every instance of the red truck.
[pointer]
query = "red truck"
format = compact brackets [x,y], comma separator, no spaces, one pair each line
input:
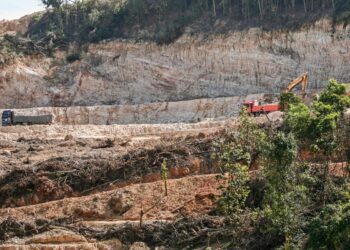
[255,108]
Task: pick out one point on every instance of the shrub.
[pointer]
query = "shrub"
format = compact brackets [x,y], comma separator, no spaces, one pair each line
[73,57]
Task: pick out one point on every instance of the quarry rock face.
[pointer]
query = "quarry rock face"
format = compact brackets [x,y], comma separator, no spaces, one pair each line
[162,112]
[122,72]
[18,26]
[139,246]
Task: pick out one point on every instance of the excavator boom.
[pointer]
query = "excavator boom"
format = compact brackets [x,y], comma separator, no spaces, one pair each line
[303,80]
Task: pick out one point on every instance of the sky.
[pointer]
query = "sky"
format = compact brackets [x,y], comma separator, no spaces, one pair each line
[13,9]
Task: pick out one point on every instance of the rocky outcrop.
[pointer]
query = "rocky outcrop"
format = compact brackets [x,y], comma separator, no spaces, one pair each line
[119,131]
[18,26]
[139,246]
[233,64]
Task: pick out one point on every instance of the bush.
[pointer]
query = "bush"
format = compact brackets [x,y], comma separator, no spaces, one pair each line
[73,57]
[330,229]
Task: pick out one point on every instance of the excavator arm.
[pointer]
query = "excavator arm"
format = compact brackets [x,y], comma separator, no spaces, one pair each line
[303,80]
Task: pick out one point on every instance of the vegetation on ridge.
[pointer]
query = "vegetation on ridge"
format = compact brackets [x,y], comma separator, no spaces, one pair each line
[165,20]
[73,23]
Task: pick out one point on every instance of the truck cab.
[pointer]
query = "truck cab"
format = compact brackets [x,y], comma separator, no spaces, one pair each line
[7,117]
[250,105]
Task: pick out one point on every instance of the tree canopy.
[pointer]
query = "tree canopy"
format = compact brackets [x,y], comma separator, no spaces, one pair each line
[52,3]
[165,20]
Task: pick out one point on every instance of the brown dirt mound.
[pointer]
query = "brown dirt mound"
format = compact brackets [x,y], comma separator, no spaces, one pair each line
[61,177]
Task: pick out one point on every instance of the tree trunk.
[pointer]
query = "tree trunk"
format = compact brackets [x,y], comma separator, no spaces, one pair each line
[260,6]
[223,7]
[325,182]
[214,7]
[293,4]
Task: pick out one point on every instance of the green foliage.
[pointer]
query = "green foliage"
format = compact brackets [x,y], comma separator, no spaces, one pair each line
[235,153]
[324,129]
[235,194]
[73,57]
[160,20]
[327,109]
[342,12]
[167,33]
[289,98]
[319,123]
[332,99]
[37,16]
[280,156]
[244,145]
[331,229]
[80,21]
[284,197]
[299,120]
[301,201]
[52,3]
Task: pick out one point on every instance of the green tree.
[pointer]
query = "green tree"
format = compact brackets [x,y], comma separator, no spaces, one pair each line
[233,198]
[331,229]
[52,3]
[319,126]
[328,110]
[299,120]
[236,154]
[284,196]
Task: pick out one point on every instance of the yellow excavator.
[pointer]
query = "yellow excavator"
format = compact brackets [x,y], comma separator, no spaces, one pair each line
[255,108]
[303,80]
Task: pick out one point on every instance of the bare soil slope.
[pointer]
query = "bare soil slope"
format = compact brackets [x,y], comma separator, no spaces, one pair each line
[88,188]
[194,66]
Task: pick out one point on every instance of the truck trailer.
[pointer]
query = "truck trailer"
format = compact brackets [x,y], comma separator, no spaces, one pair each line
[9,118]
[255,108]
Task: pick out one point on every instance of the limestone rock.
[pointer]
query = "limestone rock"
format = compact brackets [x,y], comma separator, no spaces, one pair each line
[139,246]
[192,67]
[110,245]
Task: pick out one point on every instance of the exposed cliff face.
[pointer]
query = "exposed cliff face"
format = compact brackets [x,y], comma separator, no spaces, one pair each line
[163,112]
[15,26]
[125,72]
